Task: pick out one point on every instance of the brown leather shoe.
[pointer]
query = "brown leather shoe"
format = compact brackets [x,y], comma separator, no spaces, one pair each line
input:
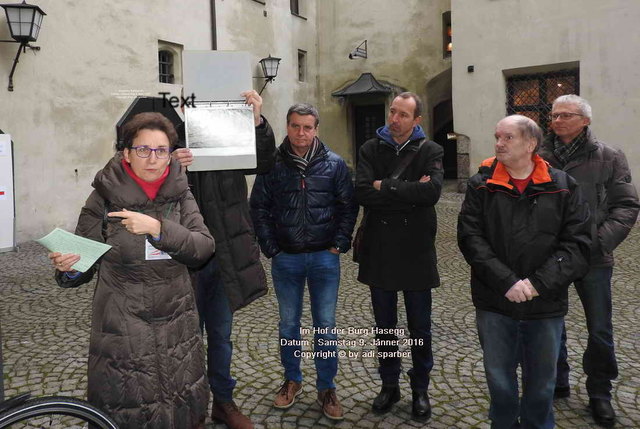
[330,404]
[286,396]
[229,414]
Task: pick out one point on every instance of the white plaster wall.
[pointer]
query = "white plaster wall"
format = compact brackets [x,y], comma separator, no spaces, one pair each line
[494,35]
[96,56]
[404,42]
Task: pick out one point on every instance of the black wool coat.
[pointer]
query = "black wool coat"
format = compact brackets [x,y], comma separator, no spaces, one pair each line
[398,248]
[223,200]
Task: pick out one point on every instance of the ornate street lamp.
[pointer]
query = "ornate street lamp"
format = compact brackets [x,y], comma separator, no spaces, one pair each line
[24,23]
[269,69]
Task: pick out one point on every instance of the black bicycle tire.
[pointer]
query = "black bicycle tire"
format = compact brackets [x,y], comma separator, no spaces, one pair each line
[56,405]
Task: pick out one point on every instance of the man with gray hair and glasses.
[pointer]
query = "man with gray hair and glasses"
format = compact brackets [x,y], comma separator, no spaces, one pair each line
[603,174]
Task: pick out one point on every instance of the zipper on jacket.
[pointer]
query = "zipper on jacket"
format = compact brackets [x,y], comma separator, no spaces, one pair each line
[304,203]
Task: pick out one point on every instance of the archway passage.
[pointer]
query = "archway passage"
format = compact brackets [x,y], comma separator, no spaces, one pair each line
[443,125]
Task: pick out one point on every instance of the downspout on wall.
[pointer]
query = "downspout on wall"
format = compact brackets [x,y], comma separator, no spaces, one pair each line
[214,35]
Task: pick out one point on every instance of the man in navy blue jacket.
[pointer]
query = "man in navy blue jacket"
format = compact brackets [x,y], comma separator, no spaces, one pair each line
[304,212]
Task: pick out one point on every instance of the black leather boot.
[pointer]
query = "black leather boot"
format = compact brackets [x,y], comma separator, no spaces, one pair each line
[388,396]
[602,412]
[421,407]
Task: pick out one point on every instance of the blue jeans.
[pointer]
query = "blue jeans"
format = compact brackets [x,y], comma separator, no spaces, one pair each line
[599,359]
[321,271]
[503,339]
[216,316]
[418,307]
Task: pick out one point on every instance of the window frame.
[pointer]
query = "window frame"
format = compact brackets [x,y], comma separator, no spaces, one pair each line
[543,105]
[168,63]
[302,67]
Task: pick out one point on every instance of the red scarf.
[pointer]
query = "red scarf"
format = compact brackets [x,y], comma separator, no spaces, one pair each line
[149,188]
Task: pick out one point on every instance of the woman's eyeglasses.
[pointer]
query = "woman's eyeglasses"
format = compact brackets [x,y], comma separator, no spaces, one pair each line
[145,152]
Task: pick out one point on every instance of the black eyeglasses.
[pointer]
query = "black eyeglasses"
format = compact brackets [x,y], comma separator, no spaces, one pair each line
[145,152]
[563,115]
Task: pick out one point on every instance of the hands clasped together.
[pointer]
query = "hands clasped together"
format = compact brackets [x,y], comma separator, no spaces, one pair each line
[521,291]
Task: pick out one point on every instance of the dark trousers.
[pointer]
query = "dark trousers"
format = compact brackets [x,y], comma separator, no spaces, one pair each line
[216,316]
[599,359]
[418,307]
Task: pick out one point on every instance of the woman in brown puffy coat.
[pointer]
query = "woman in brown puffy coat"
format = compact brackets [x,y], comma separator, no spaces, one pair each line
[146,356]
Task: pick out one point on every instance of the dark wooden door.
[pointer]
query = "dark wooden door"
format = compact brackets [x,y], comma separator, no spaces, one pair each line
[367,120]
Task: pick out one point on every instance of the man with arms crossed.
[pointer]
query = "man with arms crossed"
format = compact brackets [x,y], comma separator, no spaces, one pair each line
[398,246]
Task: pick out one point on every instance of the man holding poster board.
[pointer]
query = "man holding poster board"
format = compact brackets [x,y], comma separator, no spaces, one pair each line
[234,277]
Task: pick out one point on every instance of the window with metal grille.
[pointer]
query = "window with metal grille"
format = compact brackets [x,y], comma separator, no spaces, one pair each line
[531,95]
[165,65]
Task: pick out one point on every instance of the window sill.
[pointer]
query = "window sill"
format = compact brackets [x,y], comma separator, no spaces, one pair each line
[299,16]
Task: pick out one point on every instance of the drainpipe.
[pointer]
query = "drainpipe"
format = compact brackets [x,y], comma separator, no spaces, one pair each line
[214,36]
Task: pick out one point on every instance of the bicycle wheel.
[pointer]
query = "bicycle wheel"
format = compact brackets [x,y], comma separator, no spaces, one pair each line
[55,412]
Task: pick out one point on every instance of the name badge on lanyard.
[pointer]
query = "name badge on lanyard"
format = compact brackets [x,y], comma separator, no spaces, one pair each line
[153,254]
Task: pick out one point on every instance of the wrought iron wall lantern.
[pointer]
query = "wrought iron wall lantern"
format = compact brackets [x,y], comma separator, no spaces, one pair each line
[269,69]
[24,23]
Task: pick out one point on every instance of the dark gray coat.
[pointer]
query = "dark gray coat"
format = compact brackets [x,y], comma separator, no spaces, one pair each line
[146,356]
[605,181]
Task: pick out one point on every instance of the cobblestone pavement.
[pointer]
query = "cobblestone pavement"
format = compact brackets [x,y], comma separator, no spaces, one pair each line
[45,342]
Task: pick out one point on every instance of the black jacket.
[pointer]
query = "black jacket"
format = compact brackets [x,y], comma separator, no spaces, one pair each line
[223,200]
[505,236]
[605,182]
[299,212]
[398,245]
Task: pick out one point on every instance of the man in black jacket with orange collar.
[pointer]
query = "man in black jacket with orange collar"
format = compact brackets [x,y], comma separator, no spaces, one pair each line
[524,230]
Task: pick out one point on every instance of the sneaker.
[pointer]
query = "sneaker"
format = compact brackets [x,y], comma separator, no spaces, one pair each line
[330,404]
[229,414]
[286,396]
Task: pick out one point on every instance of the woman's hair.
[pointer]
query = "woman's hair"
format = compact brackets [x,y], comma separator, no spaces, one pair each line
[148,121]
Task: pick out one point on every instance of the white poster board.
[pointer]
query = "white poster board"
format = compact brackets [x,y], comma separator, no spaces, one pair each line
[7,200]
[219,128]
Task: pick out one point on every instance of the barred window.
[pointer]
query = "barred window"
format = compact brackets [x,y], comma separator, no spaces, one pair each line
[165,64]
[531,95]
